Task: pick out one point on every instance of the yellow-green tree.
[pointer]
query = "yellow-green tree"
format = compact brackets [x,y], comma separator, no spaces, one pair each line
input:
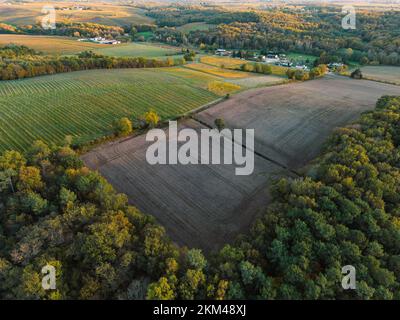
[151,118]
[123,127]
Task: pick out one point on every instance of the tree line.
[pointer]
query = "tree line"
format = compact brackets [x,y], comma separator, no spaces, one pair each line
[70,29]
[18,62]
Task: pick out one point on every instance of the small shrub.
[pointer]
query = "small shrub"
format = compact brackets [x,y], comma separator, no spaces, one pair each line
[151,118]
[266,69]
[219,123]
[122,127]
[222,88]
[247,67]
[356,74]
[190,56]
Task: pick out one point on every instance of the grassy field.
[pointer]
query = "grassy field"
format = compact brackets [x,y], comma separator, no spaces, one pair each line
[278,70]
[50,45]
[223,73]
[108,14]
[222,61]
[67,46]
[85,103]
[222,88]
[138,50]
[301,58]
[382,73]
[259,81]
[146,35]
[234,63]
[194,26]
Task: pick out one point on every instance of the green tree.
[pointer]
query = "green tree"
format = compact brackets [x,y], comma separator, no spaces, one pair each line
[122,127]
[160,290]
[151,118]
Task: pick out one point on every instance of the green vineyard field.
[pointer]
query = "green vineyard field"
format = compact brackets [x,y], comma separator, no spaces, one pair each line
[84,104]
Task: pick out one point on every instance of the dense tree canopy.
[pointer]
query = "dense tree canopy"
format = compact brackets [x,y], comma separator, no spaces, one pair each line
[310,30]
[55,211]
[75,29]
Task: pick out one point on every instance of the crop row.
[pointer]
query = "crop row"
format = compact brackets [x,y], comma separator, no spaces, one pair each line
[85,104]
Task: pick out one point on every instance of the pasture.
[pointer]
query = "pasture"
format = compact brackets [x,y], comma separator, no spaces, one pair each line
[216,71]
[85,103]
[67,46]
[382,73]
[235,63]
[102,13]
[135,49]
[301,58]
[207,206]
[226,62]
[258,81]
[50,44]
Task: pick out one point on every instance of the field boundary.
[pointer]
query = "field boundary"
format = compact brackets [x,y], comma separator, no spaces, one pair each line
[381,81]
[372,79]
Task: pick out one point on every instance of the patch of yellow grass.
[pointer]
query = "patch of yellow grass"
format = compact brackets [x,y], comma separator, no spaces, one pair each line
[279,70]
[222,88]
[189,73]
[222,61]
[224,73]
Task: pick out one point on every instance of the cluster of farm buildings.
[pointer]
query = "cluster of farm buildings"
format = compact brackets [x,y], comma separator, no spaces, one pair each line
[276,59]
[100,40]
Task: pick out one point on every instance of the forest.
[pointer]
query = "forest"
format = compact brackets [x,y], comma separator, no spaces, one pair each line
[313,30]
[176,16]
[71,29]
[55,211]
[18,62]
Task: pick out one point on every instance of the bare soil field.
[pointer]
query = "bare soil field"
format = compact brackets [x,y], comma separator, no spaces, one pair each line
[207,206]
[292,121]
[382,73]
[199,205]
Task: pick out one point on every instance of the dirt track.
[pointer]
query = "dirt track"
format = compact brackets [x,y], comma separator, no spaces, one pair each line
[208,205]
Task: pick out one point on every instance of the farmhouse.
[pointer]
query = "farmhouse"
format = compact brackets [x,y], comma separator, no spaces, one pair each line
[302,67]
[272,56]
[222,52]
[335,65]
[101,40]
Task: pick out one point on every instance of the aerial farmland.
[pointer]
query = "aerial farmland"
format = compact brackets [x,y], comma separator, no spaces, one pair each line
[199,150]
[290,124]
